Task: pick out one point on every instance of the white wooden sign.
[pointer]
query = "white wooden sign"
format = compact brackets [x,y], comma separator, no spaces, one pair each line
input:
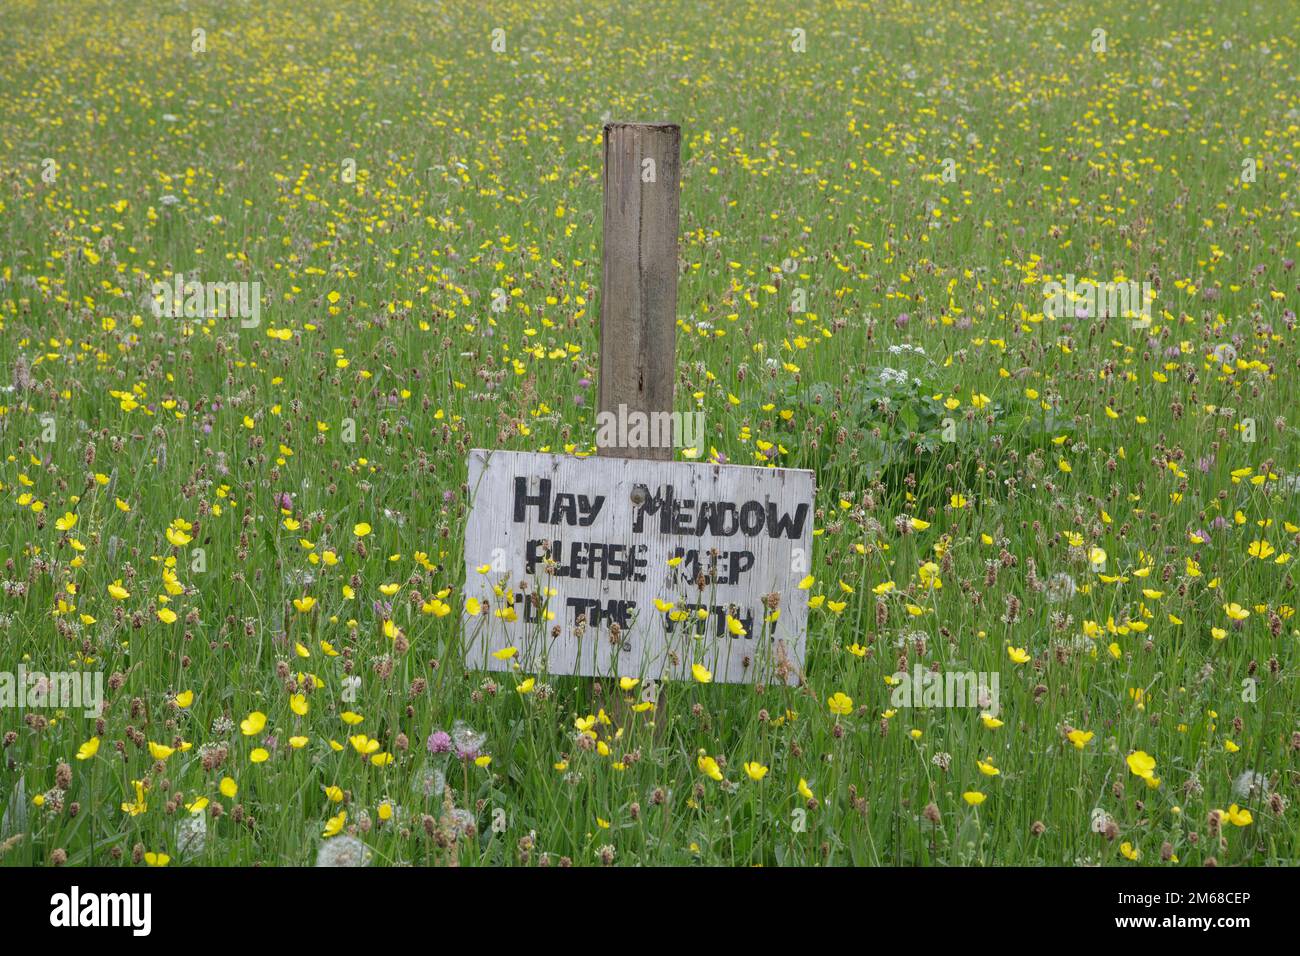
[630,568]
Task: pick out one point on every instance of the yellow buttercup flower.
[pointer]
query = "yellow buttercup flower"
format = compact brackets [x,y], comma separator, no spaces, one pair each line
[1141,764]
[138,805]
[88,749]
[840,703]
[1239,817]
[253,723]
[1261,549]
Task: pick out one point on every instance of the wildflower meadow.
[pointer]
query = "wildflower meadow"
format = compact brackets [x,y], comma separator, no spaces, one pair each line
[1014,281]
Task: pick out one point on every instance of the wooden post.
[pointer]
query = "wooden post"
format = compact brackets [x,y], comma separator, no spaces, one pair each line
[638,299]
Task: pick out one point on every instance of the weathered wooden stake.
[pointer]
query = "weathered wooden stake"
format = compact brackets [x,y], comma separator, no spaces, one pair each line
[638,296]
